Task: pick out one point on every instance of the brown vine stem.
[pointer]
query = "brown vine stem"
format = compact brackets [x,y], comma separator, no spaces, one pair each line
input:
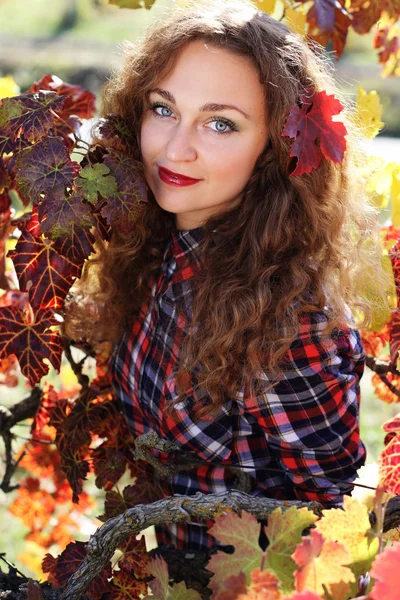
[8,418]
[174,509]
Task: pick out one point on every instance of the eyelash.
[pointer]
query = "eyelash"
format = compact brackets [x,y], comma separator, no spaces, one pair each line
[228,122]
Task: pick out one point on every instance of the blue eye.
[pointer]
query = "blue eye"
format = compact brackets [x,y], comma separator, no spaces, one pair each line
[163,107]
[227,127]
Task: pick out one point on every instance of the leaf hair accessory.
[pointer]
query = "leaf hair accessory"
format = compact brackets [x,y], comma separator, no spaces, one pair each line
[310,120]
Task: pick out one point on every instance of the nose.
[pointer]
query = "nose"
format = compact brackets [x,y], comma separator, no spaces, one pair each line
[180,144]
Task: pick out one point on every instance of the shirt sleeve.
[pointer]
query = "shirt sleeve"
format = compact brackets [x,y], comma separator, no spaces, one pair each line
[311,417]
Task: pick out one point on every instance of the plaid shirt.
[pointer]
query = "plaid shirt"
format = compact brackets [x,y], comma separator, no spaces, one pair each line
[298,440]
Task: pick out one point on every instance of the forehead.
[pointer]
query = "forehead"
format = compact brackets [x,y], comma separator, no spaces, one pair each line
[207,73]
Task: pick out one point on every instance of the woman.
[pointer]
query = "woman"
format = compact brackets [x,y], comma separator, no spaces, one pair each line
[228,307]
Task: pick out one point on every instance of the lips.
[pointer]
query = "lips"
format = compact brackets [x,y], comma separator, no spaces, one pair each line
[176,179]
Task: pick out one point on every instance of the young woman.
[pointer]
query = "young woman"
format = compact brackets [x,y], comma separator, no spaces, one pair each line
[228,305]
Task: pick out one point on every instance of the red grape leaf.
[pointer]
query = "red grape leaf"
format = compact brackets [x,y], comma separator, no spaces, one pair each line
[116,132]
[115,503]
[94,180]
[389,466]
[366,13]
[329,21]
[42,417]
[75,468]
[264,586]
[45,168]
[385,571]
[29,115]
[60,216]
[125,206]
[109,468]
[386,42]
[320,562]
[135,557]
[67,564]
[311,122]
[304,596]
[231,587]
[126,587]
[42,272]
[30,342]
[77,101]
[393,425]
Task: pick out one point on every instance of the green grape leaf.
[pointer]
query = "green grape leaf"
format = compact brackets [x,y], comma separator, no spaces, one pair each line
[45,169]
[133,3]
[30,342]
[243,532]
[95,180]
[42,272]
[284,533]
[125,206]
[30,116]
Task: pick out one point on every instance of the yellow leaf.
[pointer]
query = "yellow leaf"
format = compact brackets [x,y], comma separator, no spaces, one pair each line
[8,87]
[379,180]
[268,6]
[296,20]
[32,558]
[395,195]
[351,527]
[369,113]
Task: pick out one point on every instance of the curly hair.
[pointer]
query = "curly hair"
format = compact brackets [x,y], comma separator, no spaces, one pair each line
[295,244]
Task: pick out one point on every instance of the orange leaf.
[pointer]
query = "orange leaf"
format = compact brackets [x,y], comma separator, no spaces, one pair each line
[389,466]
[386,572]
[321,562]
[264,586]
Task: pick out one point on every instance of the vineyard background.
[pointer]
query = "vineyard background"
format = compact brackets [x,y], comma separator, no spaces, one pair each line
[79,40]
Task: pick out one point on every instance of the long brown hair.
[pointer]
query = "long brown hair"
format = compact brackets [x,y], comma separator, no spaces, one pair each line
[295,243]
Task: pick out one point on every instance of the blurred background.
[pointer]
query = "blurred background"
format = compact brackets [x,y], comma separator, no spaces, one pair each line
[80,41]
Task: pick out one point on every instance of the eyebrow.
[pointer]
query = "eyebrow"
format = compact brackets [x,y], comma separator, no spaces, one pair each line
[208,107]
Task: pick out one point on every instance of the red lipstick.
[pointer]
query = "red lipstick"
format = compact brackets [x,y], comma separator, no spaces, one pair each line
[176,179]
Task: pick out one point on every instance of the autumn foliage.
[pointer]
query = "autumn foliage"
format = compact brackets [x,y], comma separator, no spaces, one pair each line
[57,194]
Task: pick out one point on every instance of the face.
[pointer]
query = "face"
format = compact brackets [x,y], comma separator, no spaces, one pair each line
[206,121]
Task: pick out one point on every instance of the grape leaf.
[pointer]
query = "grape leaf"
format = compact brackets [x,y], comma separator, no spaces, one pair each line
[47,401]
[320,563]
[311,122]
[367,13]
[125,206]
[65,565]
[135,558]
[243,533]
[393,425]
[389,466]
[77,101]
[109,468]
[161,590]
[351,527]
[60,217]
[329,21]
[304,596]
[30,115]
[284,533]
[45,169]
[117,133]
[94,180]
[386,42]
[369,112]
[133,3]
[42,272]
[115,503]
[126,587]
[385,571]
[74,466]
[264,586]
[231,587]
[30,342]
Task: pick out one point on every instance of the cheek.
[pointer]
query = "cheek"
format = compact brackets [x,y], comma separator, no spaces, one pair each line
[234,164]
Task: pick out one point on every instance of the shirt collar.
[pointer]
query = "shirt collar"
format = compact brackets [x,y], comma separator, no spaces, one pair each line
[182,241]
